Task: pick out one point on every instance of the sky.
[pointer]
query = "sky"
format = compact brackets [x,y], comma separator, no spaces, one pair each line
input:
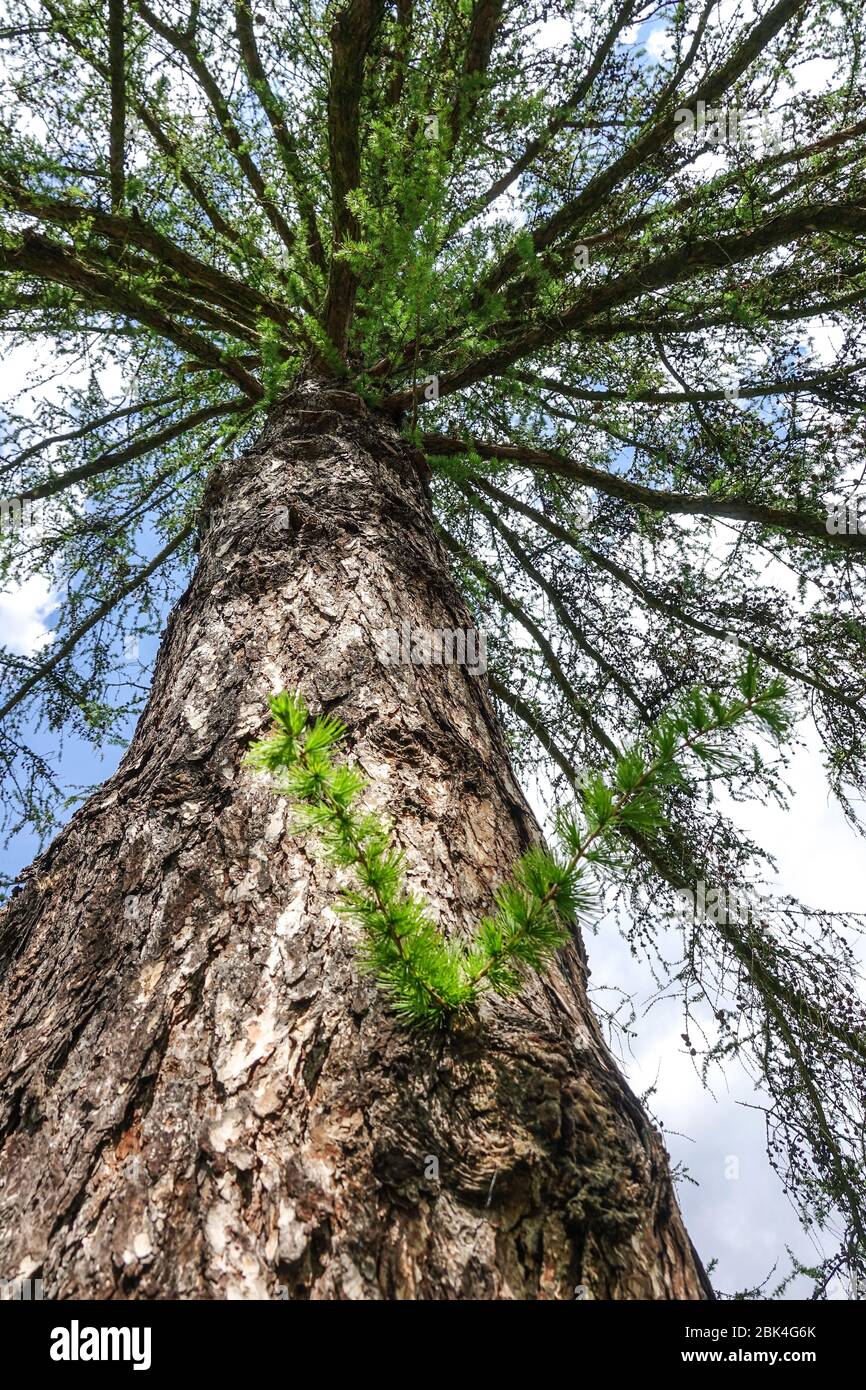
[736,1212]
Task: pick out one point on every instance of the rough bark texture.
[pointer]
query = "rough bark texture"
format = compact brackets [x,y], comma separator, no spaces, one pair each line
[201,1096]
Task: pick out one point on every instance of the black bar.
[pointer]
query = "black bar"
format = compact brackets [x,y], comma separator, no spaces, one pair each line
[248,1337]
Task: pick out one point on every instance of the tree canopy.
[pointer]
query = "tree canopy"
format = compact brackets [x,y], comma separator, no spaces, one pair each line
[614,291]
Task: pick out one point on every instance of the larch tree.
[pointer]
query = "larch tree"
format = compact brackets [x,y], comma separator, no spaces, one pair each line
[476,319]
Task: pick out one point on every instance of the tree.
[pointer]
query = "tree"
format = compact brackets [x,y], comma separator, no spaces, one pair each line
[419,318]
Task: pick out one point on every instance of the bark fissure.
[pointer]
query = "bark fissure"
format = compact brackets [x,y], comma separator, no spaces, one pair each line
[230,1109]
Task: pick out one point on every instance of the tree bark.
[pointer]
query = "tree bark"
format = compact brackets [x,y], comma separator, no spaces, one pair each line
[202,1097]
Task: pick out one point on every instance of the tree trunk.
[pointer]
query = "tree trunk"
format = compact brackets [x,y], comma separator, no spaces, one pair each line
[201,1095]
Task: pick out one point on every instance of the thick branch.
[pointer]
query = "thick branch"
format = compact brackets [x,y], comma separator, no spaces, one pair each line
[134,231]
[286,144]
[668,608]
[486,16]
[556,121]
[117,130]
[690,202]
[655,135]
[104,462]
[781,386]
[614,485]
[699,323]
[711,253]
[352,34]
[184,44]
[47,260]
[89,428]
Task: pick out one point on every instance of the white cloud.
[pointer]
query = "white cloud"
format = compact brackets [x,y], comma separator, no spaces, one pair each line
[23,613]
[660,45]
[815,76]
[827,339]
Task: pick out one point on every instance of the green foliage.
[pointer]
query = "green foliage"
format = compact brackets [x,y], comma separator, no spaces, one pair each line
[427,979]
[430,981]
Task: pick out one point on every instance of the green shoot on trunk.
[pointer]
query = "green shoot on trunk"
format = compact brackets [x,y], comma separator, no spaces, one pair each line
[428,979]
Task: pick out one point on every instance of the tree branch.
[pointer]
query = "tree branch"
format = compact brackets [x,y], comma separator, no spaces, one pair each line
[169,147]
[486,17]
[654,136]
[96,616]
[185,45]
[48,260]
[134,231]
[117,128]
[104,462]
[517,611]
[557,602]
[352,35]
[89,428]
[614,485]
[525,713]
[781,386]
[286,144]
[555,122]
[711,253]
[668,608]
